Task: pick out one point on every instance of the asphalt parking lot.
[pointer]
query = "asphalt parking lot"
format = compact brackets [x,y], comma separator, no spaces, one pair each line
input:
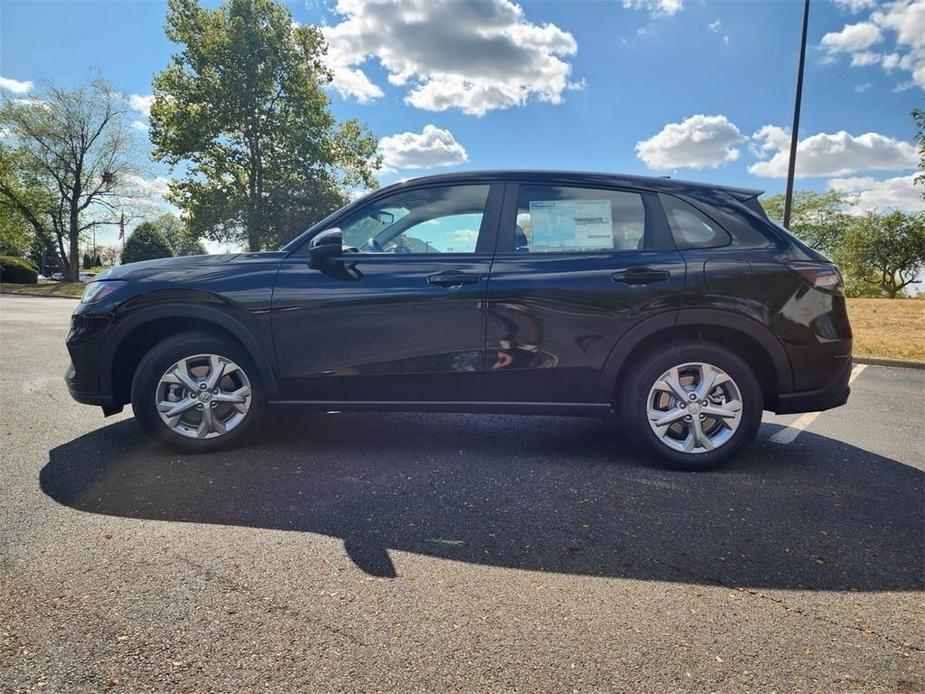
[370,552]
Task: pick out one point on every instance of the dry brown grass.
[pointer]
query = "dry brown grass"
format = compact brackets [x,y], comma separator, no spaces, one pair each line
[893,328]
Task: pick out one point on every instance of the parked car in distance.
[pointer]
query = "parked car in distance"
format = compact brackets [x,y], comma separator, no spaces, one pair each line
[677,308]
[86,276]
[57,276]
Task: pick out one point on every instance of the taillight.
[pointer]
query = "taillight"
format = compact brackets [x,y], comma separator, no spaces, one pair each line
[820,275]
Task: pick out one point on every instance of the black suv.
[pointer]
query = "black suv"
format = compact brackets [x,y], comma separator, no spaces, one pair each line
[677,308]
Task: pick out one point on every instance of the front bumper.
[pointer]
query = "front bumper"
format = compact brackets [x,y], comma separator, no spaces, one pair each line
[79,392]
[84,377]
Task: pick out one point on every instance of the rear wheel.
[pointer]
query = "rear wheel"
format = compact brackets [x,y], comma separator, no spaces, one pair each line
[692,406]
[197,392]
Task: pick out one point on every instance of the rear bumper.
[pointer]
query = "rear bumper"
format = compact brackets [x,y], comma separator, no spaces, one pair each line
[834,394]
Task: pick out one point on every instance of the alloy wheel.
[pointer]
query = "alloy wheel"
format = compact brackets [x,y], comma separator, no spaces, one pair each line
[694,408]
[203,396]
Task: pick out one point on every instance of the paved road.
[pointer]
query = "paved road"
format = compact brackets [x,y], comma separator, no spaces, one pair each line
[370,552]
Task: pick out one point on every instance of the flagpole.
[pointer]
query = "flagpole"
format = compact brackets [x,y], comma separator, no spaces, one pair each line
[794,131]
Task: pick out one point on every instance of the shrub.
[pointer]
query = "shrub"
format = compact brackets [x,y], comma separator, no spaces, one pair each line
[145,243]
[17,270]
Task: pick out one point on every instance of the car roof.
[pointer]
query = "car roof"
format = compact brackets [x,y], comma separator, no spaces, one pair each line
[652,183]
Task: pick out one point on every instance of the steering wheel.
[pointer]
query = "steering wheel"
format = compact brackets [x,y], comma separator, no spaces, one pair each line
[374,245]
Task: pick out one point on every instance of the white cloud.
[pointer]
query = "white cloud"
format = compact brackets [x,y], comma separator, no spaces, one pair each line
[156,187]
[31,103]
[768,139]
[696,143]
[15,86]
[140,125]
[427,149]
[903,21]
[868,194]
[474,55]
[353,82]
[142,104]
[906,17]
[837,154]
[853,37]
[855,6]
[466,237]
[656,8]
[864,58]
[863,87]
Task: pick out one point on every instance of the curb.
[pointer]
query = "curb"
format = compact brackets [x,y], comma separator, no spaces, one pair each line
[43,296]
[880,361]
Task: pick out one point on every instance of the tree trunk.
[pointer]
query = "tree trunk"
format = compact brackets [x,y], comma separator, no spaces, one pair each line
[73,262]
[74,233]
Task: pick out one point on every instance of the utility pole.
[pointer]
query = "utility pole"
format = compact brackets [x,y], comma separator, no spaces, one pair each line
[795,130]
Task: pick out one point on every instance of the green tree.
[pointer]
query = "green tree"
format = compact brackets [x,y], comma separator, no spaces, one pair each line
[24,197]
[243,103]
[178,235]
[16,237]
[818,219]
[146,243]
[885,250]
[69,159]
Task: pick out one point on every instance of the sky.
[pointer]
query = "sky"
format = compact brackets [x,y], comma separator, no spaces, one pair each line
[691,89]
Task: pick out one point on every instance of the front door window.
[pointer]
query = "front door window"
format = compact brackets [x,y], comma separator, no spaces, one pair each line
[423,221]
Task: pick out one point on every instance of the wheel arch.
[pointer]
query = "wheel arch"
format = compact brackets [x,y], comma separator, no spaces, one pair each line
[137,332]
[751,340]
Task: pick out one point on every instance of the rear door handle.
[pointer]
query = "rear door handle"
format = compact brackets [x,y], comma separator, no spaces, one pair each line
[640,275]
[453,279]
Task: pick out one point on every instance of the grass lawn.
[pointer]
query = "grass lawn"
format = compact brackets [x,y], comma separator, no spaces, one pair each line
[893,328]
[74,289]
[882,327]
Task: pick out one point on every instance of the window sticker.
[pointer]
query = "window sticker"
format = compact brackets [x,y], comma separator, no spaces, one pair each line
[571,224]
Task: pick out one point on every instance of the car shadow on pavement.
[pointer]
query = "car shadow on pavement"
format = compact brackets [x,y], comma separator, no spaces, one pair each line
[538,493]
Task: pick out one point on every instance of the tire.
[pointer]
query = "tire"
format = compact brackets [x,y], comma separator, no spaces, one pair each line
[684,444]
[230,422]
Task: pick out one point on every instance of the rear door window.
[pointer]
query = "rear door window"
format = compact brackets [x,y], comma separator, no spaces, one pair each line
[563,219]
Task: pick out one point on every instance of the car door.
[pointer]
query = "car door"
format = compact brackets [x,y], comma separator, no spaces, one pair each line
[399,316]
[575,268]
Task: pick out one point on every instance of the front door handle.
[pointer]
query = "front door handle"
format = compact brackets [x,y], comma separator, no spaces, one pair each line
[640,275]
[453,279]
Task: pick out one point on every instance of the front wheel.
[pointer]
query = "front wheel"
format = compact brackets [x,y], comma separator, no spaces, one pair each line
[692,406]
[197,392]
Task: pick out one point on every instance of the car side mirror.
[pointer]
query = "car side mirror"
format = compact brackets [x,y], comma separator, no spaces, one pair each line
[324,247]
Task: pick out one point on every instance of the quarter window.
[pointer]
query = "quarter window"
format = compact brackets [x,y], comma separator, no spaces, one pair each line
[690,227]
[423,221]
[557,219]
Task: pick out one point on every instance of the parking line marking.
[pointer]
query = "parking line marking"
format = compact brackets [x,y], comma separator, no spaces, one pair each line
[789,433]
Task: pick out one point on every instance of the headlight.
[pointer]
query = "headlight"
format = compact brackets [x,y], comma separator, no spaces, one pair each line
[100,289]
